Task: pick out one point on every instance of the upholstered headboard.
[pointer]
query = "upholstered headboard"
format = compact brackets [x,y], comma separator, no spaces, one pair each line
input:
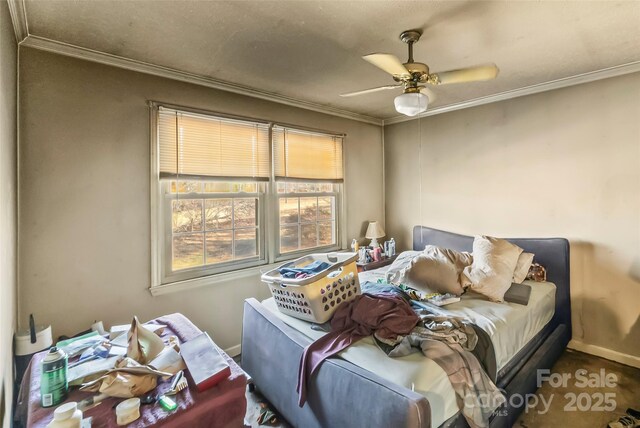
[552,253]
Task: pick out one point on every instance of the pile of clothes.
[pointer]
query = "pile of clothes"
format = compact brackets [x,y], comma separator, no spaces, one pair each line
[303,272]
[398,325]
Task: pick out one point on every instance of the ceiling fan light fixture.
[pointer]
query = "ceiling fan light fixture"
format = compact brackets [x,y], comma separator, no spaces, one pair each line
[411,103]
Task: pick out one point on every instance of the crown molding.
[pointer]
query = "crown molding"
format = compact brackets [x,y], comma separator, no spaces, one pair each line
[605,73]
[66,49]
[19,19]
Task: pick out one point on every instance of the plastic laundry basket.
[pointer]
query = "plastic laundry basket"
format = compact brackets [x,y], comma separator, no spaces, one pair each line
[316,297]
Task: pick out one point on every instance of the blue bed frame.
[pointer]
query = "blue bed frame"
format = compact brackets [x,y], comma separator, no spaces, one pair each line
[344,395]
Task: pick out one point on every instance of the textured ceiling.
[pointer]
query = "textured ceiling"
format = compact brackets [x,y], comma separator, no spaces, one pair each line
[310,50]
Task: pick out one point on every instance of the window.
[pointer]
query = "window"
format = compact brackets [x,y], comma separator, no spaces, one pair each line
[233,193]
[308,169]
[307,215]
[213,223]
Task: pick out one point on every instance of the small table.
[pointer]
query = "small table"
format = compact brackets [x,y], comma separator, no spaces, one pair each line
[223,406]
[375,265]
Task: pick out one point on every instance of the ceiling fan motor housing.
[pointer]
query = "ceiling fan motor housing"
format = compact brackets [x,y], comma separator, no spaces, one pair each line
[416,68]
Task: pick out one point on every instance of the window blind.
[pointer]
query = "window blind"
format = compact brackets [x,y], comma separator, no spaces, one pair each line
[305,155]
[207,147]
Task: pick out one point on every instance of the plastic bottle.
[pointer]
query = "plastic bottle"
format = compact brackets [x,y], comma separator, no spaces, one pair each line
[392,247]
[354,245]
[66,416]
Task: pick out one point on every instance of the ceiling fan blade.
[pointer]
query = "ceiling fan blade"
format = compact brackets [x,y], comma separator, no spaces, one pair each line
[471,74]
[368,91]
[387,62]
[429,93]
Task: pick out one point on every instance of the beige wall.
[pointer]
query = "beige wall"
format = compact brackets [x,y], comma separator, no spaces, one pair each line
[8,139]
[84,193]
[562,163]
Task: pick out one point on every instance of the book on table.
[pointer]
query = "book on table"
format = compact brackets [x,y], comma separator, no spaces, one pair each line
[204,361]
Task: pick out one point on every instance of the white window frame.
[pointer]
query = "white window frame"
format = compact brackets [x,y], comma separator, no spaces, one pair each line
[163,281]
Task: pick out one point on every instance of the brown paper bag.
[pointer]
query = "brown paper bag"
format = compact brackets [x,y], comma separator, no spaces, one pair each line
[128,379]
[122,384]
[144,345]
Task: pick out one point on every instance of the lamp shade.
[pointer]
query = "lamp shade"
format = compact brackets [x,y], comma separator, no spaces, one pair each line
[374,231]
[411,103]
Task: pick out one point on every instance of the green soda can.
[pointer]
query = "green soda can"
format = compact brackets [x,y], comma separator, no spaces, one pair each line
[53,381]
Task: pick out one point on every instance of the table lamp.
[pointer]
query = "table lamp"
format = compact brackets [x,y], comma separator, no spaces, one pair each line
[374,231]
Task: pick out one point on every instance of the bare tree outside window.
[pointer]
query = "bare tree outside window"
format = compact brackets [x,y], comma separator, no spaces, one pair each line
[213,229]
[306,221]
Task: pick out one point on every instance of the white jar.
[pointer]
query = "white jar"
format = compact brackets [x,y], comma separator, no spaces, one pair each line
[66,416]
[128,411]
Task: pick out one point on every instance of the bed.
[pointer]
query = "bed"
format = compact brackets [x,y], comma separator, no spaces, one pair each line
[359,388]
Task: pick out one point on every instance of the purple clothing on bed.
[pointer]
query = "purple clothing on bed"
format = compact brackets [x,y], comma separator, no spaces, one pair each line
[387,316]
[222,406]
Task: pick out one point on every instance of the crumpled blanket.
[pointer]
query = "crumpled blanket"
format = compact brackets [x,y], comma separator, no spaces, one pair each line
[449,341]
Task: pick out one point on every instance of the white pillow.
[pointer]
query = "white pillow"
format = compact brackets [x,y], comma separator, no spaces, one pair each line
[436,270]
[494,263]
[522,267]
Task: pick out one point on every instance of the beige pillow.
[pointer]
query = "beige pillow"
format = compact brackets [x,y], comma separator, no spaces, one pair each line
[522,267]
[494,263]
[436,270]
[399,264]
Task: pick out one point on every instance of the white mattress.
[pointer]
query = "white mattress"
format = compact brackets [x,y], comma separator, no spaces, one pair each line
[510,326]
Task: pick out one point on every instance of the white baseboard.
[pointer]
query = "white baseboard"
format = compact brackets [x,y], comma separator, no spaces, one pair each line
[233,351]
[629,360]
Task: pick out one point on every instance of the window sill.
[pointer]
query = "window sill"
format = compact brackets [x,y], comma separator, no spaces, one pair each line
[190,284]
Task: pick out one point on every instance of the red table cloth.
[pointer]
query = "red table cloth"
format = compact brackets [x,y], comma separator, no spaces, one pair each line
[222,406]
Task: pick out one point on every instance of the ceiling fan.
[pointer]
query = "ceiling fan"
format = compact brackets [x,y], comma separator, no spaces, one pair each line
[410,75]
